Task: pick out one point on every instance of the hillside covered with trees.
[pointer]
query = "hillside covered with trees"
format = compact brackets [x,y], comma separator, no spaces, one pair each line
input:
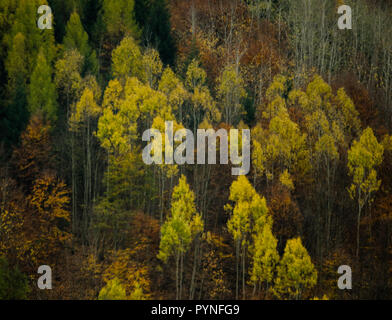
[76,195]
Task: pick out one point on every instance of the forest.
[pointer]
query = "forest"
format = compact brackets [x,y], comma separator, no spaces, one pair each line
[76,195]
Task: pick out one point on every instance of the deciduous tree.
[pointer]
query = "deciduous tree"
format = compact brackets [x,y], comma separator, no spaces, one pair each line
[364,156]
[179,230]
[295,273]
[248,216]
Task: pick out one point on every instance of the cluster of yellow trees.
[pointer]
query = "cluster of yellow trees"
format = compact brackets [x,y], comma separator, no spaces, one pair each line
[78,99]
[143,94]
[251,227]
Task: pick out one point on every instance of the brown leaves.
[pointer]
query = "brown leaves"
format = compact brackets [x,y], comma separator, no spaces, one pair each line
[286,214]
[34,221]
[224,32]
[33,154]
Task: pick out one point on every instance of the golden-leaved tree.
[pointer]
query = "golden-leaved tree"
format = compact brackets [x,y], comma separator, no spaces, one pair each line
[295,273]
[249,215]
[179,230]
[364,157]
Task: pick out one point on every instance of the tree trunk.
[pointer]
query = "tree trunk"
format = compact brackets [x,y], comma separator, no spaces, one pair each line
[195,265]
[243,272]
[358,224]
[177,275]
[237,249]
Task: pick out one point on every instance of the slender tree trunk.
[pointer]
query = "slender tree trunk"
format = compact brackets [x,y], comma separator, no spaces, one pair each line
[254,289]
[358,227]
[181,272]
[177,274]
[237,249]
[243,271]
[195,265]
[74,186]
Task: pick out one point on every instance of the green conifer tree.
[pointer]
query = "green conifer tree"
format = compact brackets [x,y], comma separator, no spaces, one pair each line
[42,91]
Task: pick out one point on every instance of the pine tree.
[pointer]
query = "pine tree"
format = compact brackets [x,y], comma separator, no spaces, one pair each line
[119,18]
[16,63]
[90,9]
[35,39]
[14,114]
[42,96]
[77,38]
[154,19]
[13,283]
[62,10]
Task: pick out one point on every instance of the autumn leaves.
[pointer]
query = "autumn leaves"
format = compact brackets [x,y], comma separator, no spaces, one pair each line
[250,226]
[182,226]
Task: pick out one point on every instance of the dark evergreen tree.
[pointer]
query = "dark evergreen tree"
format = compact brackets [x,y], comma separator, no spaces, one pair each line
[77,38]
[61,11]
[154,18]
[42,96]
[14,116]
[13,283]
[89,14]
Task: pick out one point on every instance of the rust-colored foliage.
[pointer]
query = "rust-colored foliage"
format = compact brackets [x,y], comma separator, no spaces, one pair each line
[134,265]
[34,221]
[286,214]
[217,255]
[224,32]
[34,153]
[144,238]
[363,102]
[328,274]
